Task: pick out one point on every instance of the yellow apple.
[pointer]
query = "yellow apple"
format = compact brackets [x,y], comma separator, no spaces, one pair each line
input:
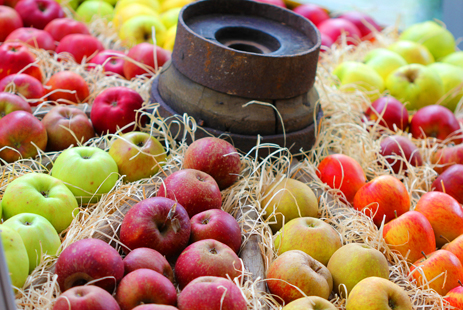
[138,29]
[452,77]
[16,256]
[88,9]
[131,11]
[455,59]
[170,4]
[384,61]
[412,52]
[170,17]
[152,4]
[169,38]
[310,303]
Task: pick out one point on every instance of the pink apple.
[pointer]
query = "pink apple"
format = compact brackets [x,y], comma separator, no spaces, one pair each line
[89,260]
[157,223]
[326,42]
[24,84]
[9,21]
[149,259]
[11,3]
[363,22]
[312,12]
[75,88]
[195,190]
[216,157]
[451,182]
[208,293]
[61,27]
[279,3]
[400,146]
[111,60]
[390,112]
[88,297]
[335,27]
[206,257]
[456,247]
[144,53]
[455,297]
[80,46]
[154,307]
[15,56]
[447,157]
[218,225]
[10,102]
[38,13]
[33,37]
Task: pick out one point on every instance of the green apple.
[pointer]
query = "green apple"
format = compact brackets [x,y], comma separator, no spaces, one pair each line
[138,29]
[452,77]
[131,11]
[288,199]
[88,9]
[88,172]
[455,59]
[412,52]
[310,235]
[378,294]
[415,85]
[38,235]
[355,262]
[358,76]
[310,303]
[384,61]
[40,194]
[170,17]
[74,4]
[152,4]
[437,39]
[16,257]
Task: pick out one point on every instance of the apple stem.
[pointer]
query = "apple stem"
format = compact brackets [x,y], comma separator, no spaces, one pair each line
[395,213]
[459,282]
[424,254]
[448,241]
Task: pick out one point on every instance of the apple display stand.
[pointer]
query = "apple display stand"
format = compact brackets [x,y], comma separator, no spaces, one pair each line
[6,293]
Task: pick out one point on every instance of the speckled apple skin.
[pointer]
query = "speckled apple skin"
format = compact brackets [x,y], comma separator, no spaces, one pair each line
[455,297]
[148,259]
[88,297]
[456,247]
[451,181]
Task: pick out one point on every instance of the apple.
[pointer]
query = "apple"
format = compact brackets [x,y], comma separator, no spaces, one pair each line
[452,77]
[378,293]
[88,172]
[312,12]
[145,286]
[390,112]
[195,190]
[296,271]
[138,29]
[455,297]
[218,225]
[383,198]
[67,126]
[442,267]
[438,40]
[336,27]
[25,85]
[363,22]
[326,42]
[89,260]
[132,10]
[23,134]
[451,182]
[152,4]
[15,56]
[61,27]
[38,13]
[446,158]
[88,297]
[206,257]
[111,60]
[310,235]
[169,39]
[167,5]
[456,247]
[400,152]
[216,157]
[34,37]
[455,58]
[10,102]
[211,293]
[143,53]
[89,9]
[80,46]
[15,253]
[279,3]
[9,21]
[412,52]
[154,307]
[158,223]
[137,155]
[384,61]
[149,259]
[416,85]
[170,18]
[75,88]
[310,303]
[117,108]
[11,3]
[342,172]
[445,215]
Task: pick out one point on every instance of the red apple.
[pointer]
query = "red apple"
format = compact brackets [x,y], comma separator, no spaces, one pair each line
[9,21]
[335,27]
[445,215]
[210,293]
[312,12]
[455,297]
[410,234]
[383,198]
[279,3]
[15,56]
[342,172]
[326,42]
[23,133]
[434,121]
[216,157]
[33,37]
[451,182]
[26,85]
[218,225]
[11,102]
[145,286]
[195,190]
[116,108]
[38,13]
[442,267]
[11,3]
[89,260]
[144,53]
[149,259]
[111,60]
[155,307]
[400,146]
[364,22]
[456,247]
[76,89]
[157,223]
[447,157]
[61,27]
[80,46]
[206,257]
[67,126]
[390,112]
[88,297]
